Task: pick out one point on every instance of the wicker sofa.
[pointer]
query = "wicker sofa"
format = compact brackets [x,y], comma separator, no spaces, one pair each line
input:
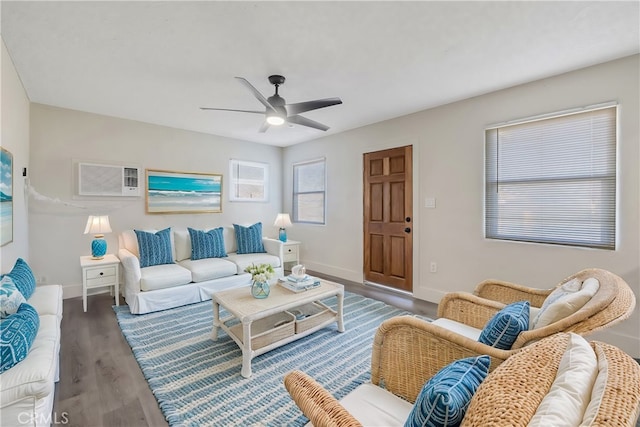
[509,396]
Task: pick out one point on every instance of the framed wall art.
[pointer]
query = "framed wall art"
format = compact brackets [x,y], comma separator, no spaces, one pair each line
[6,197]
[183,192]
[249,181]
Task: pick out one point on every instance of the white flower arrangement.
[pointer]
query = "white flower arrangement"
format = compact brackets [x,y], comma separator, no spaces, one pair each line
[260,273]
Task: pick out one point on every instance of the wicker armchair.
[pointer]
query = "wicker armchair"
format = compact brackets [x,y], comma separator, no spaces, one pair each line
[400,366]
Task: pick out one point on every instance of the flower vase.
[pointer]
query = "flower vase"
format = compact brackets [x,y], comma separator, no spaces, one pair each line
[260,290]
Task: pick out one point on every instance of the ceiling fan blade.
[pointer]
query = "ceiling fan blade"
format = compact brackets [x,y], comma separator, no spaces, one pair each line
[264,127]
[301,107]
[230,109]
[299,120]
[255,92]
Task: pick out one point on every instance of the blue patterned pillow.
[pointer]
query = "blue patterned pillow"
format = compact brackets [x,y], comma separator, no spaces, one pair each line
[17,333]
[444,399]
[208,244]
[155,248]
[10,297]
[249,239]
[505,326]
[23,278]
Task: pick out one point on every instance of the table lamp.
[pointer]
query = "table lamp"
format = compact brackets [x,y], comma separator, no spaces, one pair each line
[98,225]
[283,221]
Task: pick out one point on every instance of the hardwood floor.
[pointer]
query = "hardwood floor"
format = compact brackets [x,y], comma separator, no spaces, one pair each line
[101,383]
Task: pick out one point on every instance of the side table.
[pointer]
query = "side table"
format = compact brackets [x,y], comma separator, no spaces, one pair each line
[98,273]
[291,249]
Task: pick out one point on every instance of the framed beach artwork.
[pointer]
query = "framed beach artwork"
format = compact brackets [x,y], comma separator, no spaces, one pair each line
[6,197]
[183,192]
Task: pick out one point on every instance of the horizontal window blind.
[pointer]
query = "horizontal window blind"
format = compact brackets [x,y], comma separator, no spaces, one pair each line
[309,192]
[553,180]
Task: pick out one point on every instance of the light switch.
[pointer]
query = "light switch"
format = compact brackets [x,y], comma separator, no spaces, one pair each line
[430,202]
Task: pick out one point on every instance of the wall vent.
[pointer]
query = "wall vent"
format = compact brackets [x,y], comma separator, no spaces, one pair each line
[108,180]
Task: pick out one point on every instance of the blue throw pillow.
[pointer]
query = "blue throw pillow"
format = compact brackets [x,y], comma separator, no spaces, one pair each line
[10,297]
[208,244]
[444,399]
[249,239]
[23,278]
[155,248]
[17,333]
[505,326]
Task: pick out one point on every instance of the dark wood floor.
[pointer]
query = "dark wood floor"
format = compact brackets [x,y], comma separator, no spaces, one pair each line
[100,381]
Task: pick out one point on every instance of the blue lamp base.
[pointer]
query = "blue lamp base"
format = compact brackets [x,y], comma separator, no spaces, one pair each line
[282,235]
[98,248]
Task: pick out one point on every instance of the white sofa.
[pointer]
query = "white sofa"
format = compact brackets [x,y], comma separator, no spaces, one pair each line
[27,389]
[160,287]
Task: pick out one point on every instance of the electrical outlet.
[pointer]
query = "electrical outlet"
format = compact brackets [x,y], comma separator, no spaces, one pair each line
[433,267]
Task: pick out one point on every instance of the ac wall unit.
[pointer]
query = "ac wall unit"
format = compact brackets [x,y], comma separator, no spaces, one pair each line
[108,180]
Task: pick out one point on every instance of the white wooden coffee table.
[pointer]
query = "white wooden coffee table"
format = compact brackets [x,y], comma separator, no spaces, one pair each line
[283,317]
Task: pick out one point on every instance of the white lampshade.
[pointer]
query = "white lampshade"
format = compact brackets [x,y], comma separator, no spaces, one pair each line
[98,224]
[282,220]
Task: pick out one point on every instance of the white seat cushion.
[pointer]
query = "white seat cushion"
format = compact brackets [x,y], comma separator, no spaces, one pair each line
[163,276]
[459,328]
[209,268]
[245,260]
[47,300]
[374,406]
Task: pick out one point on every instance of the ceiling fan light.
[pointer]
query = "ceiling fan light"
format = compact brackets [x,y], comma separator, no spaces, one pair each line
[275,120]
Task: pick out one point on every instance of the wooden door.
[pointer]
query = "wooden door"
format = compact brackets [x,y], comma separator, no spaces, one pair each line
[388,218]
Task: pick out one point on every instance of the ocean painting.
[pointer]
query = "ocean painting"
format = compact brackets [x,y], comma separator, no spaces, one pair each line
[6,197]
[183,192]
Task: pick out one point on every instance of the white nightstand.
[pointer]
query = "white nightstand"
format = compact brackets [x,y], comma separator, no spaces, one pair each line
[98,273]
[291,249]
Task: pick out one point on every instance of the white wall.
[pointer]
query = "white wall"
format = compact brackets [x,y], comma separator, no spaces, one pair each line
[61,137]
[14,122]
[448,164]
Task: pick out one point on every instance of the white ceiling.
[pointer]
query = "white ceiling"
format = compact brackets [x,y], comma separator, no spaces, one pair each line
[158,62]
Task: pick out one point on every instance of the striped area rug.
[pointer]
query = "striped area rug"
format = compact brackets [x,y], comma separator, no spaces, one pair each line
[197,381]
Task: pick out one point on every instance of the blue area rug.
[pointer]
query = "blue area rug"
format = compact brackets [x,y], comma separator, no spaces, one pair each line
[197,381]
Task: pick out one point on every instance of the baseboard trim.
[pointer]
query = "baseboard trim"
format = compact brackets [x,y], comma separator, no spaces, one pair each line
[75,291]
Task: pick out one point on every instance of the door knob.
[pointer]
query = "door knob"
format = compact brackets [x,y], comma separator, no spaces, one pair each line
[408,219]
[407,230]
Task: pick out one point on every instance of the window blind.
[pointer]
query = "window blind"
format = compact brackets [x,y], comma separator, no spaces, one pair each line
[309,192]
[553,180]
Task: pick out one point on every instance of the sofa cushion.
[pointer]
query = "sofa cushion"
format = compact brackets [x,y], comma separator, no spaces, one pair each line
[599,387]
[505,326]
[10,297]
[163,276]
[47,299]
[374,406]
[17,333]
[155,248]
[566,300]
[444,398]
[245,260]
[35,375]
[23,278]
[568,398]
[207,244]
[249,239]
[209,268]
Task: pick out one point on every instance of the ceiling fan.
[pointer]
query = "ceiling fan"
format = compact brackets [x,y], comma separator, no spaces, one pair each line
[278,112]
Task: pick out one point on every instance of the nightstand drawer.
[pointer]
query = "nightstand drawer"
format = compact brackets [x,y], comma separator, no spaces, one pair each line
[97,273]
[290,254]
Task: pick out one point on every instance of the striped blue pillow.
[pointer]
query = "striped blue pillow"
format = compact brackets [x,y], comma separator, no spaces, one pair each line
[444,399]
[23,278]
[17,333]
[155,248]
[249,239]
[505,326]
[208,244]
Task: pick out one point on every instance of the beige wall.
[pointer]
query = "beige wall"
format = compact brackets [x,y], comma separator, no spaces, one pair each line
[14,122]
[448,163]
[60,138]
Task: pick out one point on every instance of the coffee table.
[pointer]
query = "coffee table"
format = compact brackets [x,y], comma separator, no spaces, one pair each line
[283,317]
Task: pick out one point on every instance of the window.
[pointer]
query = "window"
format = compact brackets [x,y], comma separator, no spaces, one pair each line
[309,192]
[249,181]
[553,179]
